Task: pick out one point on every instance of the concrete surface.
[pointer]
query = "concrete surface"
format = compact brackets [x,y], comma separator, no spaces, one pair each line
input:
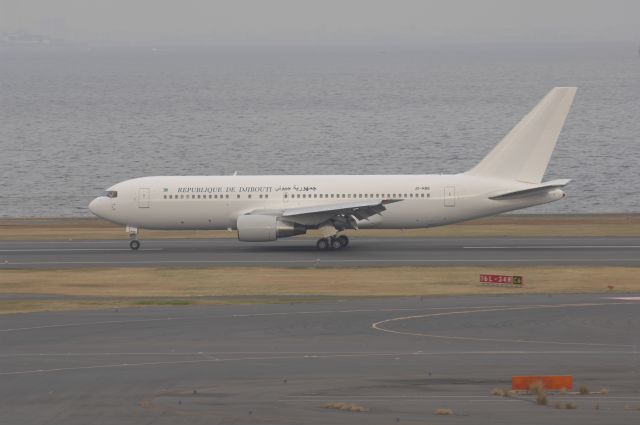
[624,251]
[280,364]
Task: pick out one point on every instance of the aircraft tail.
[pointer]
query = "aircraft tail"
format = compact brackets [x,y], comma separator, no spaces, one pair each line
[524,153]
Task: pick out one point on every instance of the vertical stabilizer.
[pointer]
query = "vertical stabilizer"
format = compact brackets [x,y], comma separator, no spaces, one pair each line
[524,153]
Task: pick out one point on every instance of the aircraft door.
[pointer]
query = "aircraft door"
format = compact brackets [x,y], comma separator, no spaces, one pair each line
[143,197]
[449,196]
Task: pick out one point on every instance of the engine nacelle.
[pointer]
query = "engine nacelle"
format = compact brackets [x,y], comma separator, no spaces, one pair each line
[266,228]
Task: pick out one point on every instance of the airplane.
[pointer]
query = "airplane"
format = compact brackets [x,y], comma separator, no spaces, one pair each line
[270,207]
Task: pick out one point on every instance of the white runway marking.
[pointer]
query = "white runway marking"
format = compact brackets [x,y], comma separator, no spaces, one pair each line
[624,298]
[248,315]
[237,315]
[307,354]
[329,261]
[379,325]
[269,356]
[75,249]
[555,247]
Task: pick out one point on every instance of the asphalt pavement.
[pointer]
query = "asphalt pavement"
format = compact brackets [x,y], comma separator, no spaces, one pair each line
[302,252]
[399,359]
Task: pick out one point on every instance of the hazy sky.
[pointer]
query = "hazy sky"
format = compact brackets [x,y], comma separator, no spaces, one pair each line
[326,21]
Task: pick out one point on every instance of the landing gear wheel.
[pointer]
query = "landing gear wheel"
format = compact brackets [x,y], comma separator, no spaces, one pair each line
[134,244]
[322,244]
[336,243]
[344,240]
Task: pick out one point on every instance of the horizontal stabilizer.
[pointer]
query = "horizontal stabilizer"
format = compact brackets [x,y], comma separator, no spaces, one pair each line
[554,184]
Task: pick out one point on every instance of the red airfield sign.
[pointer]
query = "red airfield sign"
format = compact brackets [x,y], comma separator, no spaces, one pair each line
[497,279]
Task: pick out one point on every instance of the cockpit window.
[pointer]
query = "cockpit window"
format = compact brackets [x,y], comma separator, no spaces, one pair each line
[110,193]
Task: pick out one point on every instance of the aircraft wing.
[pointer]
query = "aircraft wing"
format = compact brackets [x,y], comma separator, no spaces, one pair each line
[315,215]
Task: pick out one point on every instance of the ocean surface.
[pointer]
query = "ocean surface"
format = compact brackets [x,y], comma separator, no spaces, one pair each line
[75,120]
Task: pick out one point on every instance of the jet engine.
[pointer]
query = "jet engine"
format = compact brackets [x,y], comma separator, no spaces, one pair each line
[266,228]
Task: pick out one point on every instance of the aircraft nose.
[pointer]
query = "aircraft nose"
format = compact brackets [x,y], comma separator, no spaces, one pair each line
[95,207]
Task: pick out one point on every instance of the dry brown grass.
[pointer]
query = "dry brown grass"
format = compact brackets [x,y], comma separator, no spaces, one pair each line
[604,391]
[442,411]
[259,281]
[538,389]
[541,398]
[499,392]
[503,225]
[565,405]
[189,285]
[503,392]
[584,390]
[348,407]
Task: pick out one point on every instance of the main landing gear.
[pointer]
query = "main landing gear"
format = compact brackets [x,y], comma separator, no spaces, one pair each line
[134,243]
[334,242]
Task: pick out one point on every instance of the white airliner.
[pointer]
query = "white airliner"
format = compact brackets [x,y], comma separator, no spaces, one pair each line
[265,208]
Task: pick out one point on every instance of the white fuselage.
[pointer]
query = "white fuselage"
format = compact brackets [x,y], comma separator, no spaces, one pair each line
[216,202]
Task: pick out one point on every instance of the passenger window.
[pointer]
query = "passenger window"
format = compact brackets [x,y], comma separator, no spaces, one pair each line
[249,196]
[238,196]
[266,196]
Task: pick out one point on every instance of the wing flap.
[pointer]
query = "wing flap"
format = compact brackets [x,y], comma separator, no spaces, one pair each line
[316,214]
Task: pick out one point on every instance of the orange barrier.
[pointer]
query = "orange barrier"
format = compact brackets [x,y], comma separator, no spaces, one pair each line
[550,382]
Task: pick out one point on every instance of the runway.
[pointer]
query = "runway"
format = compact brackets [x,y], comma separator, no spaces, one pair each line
[400,359]
[301,252]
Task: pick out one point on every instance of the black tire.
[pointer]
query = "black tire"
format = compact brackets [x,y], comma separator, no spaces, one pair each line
[335,243]
[344,240]
[322,244]
[134,244]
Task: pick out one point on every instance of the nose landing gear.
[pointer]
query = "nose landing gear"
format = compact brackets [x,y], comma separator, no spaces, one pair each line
[334,242]
[134,243]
